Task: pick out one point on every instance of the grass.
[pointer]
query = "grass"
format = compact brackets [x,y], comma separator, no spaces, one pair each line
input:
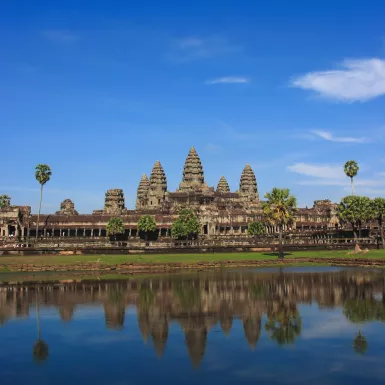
[6,261]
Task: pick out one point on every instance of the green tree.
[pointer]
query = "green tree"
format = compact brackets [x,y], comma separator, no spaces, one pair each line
[43,175]
[379,212]
[147,224]
[279,209]
[187,225]
[114,227]
[5,201]
[355,210]
[360,345]
[256,228]
[351,170]
[284,325]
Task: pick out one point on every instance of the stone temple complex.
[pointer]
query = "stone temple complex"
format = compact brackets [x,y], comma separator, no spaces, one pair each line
[221,212]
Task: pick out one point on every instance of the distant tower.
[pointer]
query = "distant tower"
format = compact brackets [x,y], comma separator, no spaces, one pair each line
[248,187]
[114,202]
[158,186]
[143,188]
[193,177]
[223,186]
[67,207]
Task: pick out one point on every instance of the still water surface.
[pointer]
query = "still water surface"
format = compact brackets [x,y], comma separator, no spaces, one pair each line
[318,326]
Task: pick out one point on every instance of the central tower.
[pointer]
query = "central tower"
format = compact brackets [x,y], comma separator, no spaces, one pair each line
[193,177]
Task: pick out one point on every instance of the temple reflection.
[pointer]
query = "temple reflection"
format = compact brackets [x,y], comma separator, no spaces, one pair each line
[261,302]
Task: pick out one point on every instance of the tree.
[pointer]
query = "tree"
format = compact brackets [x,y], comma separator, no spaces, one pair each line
[355,210]
[360,345]
[280,209]
[115,226]
[351,170]
[5,201]
[40,348]
[147,224]
[283,324]
[187,225]
[256,228]
[43,175]
[379,212]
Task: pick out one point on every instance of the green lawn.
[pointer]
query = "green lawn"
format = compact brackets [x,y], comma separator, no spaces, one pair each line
[177,258]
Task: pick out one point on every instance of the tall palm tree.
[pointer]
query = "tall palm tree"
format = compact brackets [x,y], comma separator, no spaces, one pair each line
[40,348]
[43,175]
[351,170]
[280,208]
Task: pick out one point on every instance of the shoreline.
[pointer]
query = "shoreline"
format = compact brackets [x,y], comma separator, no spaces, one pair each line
[159,267]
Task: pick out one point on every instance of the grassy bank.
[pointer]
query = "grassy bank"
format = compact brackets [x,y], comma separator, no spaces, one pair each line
[177,258]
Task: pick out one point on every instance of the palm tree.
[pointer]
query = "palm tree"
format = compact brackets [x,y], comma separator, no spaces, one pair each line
[43,175]
[40,348]
[351,170]
[280,209]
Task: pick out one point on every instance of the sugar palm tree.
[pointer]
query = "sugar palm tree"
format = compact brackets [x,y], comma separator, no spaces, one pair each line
[280,208]
[40,348]
[351,170]
[43,175]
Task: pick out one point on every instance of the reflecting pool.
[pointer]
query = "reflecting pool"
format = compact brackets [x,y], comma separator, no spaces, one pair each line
[266,326]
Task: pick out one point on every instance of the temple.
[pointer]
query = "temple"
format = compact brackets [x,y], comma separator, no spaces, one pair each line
[221,212]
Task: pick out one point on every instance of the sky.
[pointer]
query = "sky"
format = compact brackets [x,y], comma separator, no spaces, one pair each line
[100,90]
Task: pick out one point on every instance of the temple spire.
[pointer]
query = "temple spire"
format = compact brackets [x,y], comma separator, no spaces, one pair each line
[143,187]
[193,176]
[223,186]
[248,186]
[158,179]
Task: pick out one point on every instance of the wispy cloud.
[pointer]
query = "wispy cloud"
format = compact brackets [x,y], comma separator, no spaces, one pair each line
[213,148]
[326,135]
[193,48]
[357,80]
[229,80]
[331,175]
[61,36]
[318,170]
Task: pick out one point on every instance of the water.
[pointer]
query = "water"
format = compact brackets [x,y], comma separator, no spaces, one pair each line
[242,327]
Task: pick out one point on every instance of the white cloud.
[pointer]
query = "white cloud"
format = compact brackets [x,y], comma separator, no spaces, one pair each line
[193,48]
[229,80]
[318,170]
[61,36]
[339,139]
[358,80]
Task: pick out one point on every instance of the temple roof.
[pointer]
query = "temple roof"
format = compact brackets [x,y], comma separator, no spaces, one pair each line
[223,186]
[143,187]
[158,179]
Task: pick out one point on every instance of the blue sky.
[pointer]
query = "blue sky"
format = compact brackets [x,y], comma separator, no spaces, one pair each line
[101,90]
